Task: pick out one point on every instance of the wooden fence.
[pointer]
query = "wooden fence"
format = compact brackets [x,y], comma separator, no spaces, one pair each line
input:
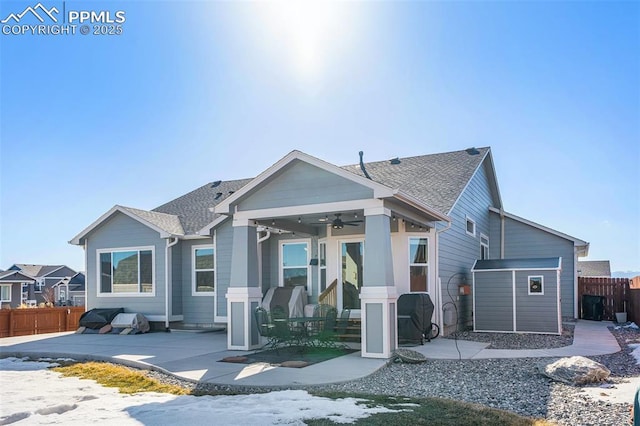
[24,322]
[618,296]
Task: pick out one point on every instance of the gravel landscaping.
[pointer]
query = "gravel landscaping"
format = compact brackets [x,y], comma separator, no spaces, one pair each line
[520,341]
[509,384]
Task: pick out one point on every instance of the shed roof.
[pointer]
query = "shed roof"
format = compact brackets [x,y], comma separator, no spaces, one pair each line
[518,264]
[594,268]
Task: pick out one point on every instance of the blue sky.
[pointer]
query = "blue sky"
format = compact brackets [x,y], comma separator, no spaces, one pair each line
[193,92]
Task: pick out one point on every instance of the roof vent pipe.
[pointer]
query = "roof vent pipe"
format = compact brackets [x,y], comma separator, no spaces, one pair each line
[362,166]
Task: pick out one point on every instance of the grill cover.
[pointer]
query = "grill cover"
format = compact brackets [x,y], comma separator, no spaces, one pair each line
[98,318]
[414,317]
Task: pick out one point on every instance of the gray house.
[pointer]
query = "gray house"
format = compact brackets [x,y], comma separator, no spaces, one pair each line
[44,276]
[14,288]
[365,233]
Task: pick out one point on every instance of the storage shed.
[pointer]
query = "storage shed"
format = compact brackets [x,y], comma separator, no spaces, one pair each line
[517,295]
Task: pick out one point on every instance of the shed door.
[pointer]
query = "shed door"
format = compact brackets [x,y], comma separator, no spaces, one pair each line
[537,302]
[493,301]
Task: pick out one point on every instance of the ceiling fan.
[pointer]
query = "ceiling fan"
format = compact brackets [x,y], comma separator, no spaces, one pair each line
[338,223]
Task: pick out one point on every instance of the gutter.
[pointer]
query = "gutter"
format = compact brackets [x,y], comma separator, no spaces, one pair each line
[167,279]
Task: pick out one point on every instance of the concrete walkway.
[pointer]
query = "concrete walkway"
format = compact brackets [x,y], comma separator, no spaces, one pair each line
[196,356]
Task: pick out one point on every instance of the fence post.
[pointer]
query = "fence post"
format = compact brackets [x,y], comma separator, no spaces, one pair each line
[11,323]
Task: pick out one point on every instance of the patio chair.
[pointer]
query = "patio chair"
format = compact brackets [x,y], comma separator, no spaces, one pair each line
[325,335]
[266,327]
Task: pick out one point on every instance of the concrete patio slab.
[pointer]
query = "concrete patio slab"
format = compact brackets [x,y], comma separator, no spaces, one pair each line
[196,356]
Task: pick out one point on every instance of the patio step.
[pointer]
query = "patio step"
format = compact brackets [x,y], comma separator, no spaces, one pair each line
[352,332]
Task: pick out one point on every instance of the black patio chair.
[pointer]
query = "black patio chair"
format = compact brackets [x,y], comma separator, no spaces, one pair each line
[266,328]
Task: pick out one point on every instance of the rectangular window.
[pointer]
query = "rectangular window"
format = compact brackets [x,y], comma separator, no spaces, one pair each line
[418,264]
[484,247]
[5,293]
[204,270]
[536,285]
[24,294]
[294,264]
[322,263]
[128,271]
[471,227]
[38,286]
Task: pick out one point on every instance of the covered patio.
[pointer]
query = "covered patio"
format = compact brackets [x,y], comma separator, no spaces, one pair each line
[356,248]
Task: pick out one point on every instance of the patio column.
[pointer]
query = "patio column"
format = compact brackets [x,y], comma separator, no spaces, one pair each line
[378,294]
[244,294]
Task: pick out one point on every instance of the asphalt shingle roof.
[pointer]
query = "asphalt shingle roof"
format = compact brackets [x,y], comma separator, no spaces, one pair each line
[192,209]
[167,222]
[594,268]
[435,179]
[37,270]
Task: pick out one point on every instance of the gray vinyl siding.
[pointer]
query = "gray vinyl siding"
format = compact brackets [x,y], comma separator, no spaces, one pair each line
[536,313]
[120,231]
[457,251]
[196,309]
[525,241]
[224,244]
[176,278]
[301,184]
[493,293]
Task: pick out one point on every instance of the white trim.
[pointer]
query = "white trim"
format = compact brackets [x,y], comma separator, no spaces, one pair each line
[529,293]
[482,246]
[207,229]
[10,293]
[119,209]
[583,246]
[289,211]
[322,241]
[281,267]
[379,190]
[121,249]
[349,239]
[193,270]
[410,261]
[163,318]
[515,269]
[466,227]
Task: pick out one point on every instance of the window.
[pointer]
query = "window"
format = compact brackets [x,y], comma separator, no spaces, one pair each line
[5,293]
[471,227]
[294,264]
[24,294]
[536,285]
[418,264]
[128,271]
[204,275]
[484,247]
[322,263]
[38,286]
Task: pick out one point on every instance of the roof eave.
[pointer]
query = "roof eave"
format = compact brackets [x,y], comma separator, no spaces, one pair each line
[78,239]
[379,190]
[414,202]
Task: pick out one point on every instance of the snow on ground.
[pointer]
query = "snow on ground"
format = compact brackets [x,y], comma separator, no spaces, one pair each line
[31,394]
[636,351]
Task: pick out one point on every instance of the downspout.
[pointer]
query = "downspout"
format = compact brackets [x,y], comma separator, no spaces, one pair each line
[501,233]
[167,280]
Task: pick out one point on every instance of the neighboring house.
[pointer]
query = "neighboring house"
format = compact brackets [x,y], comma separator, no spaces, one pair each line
[594,268]
[370,232]
[69,291]
[14,289]
[634,282]
[45,276]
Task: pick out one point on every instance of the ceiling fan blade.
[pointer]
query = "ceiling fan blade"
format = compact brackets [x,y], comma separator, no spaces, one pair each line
[351,223]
